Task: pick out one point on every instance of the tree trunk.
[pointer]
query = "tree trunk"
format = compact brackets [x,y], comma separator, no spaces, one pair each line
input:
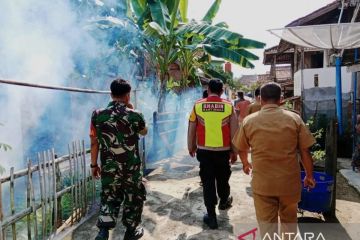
[162,95]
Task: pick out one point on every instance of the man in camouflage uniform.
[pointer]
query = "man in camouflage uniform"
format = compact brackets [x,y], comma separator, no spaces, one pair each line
[114,133]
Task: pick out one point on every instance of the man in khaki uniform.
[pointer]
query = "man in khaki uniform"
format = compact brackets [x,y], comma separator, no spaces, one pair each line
[275,136]
[255,106]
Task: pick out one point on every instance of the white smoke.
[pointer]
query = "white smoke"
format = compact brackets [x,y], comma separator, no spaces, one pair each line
[54,43]
[37,41]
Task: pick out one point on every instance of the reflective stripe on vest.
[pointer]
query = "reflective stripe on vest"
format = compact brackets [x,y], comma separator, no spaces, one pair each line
[213,114]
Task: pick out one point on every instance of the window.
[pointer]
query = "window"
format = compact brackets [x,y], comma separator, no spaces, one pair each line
[317,60]
[316,80]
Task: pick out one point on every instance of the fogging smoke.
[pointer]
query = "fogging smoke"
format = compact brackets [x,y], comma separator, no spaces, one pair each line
[36,42]
[54,43]
[70,43]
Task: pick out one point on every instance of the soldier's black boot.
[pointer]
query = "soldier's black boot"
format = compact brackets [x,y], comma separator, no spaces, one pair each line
[103,234]
[226,204]
[134,233]
[210,218]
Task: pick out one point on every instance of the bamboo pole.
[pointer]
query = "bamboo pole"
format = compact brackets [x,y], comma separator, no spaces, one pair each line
[83,160]
[45,191]
[2,231]
[1,207]
[32,201]
[75,181]
[91,188]
[94,189]
[28,196]
[78,170]
[72,185]
[69,89]
[78,183]
[12,201]
[49,192]
[80,179]
[33,204]
[59,197]
[55,206]
[42,196]
[81,201]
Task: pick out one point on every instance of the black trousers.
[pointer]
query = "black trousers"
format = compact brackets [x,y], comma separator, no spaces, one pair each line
[215,174]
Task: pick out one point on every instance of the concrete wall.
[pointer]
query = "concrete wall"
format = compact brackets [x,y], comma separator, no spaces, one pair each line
[326,77]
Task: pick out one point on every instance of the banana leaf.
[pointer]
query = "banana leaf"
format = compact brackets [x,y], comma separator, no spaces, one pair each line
[109,22]
[154,30]
[129,12]
[243,43]
[250,44]
[214,74]
[209,32]
[222,25]
[248,55]
[183,9]
[174,11]
[205,58]
[138,7]
[144,18]
[230,55]
[159,13]
[211,13]
[172,6]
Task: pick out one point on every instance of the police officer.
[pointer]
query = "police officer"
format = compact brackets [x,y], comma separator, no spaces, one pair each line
[275,136]
[212,124]
[114,133]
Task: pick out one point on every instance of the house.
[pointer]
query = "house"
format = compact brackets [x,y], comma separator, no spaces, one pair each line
[248,80]
[312,71]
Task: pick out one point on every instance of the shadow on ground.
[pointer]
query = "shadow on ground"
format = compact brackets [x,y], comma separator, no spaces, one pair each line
[174,208]
[330,230]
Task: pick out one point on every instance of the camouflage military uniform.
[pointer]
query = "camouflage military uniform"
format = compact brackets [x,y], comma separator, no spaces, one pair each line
[116,128]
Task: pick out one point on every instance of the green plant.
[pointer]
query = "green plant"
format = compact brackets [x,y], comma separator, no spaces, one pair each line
[288,105]
[171,38]
[317,152]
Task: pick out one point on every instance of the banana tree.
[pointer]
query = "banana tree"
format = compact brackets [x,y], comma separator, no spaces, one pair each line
[191,44]
[159,21]
[203,39]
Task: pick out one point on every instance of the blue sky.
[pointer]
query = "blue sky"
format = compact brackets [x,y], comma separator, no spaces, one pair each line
[252,18]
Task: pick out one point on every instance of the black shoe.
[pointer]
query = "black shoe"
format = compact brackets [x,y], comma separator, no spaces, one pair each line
[134,234]
[210,221]
[103,234]
[227,204]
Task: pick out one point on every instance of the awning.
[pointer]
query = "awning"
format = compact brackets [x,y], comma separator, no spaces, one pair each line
[329,36]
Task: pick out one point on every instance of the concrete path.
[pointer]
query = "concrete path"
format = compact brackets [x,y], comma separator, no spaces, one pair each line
[346,171]
[174,208]
[352,177]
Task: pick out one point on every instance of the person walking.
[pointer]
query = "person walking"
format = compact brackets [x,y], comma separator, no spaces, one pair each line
[212,124]
[241,105]
[114,133]
[256,105]
[275,136]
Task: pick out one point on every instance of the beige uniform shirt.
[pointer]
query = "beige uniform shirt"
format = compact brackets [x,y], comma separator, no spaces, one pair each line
[274,135]
[252,108]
